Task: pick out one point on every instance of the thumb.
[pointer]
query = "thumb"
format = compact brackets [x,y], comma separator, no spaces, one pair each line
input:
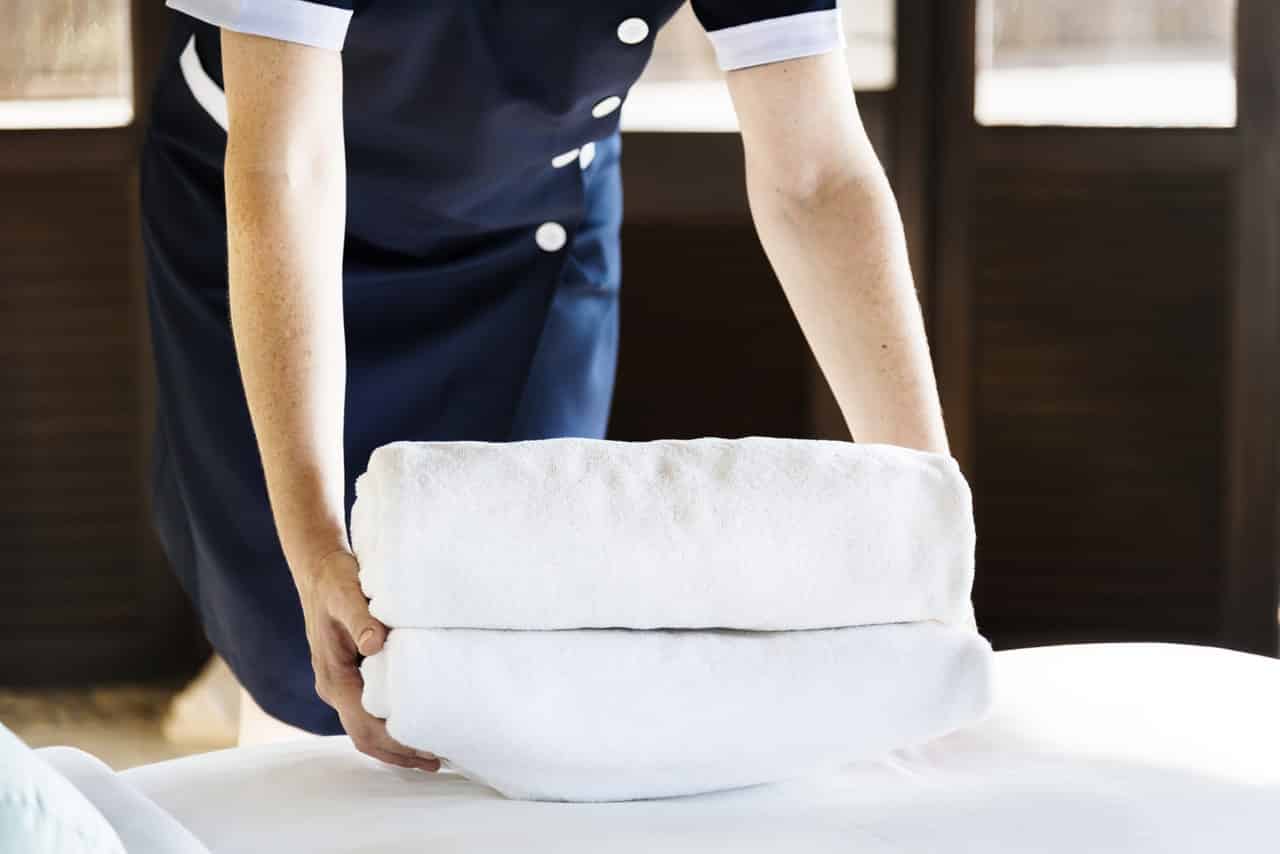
[351,609]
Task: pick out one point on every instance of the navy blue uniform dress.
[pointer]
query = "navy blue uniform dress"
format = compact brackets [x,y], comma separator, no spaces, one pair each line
[481,264]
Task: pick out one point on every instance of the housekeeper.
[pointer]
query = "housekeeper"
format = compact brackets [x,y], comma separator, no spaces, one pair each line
[379,220]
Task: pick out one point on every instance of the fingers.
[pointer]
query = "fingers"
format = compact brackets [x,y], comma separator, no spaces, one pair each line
[401,762]
[349,607]
[370,737]
[341,687]
[340,627]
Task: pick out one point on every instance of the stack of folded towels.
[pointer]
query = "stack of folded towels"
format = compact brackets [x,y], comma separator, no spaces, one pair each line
[586,620]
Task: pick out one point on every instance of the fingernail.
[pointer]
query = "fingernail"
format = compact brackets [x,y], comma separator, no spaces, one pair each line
[364,636]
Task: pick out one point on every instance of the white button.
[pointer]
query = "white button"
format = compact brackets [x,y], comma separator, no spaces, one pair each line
[606,106]
[565,159]
[550,236]
[588,154]
[633,31]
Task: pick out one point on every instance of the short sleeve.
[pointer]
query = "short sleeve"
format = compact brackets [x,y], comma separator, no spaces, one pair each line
[756,32]
[318,23]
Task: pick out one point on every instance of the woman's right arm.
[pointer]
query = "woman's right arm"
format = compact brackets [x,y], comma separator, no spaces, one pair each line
[286,208]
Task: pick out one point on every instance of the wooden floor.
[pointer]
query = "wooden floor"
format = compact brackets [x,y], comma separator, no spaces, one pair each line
[123,725]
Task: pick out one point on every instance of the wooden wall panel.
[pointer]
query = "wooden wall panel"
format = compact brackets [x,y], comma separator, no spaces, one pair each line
[79,599]
[1098,301]
[710,348]
[1253,464]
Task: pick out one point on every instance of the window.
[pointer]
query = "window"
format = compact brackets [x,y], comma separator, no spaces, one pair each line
[683,89]
[1123,63]
[65,63]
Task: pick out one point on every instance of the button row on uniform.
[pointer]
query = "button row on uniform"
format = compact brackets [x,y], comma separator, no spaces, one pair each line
[605,106]
[633,31]
[583,155]
[551,236]
[565,159]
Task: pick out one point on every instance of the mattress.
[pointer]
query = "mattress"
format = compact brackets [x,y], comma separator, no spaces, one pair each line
[1136,748]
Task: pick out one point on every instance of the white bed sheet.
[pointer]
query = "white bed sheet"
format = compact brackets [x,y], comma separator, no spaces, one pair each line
[1136,748]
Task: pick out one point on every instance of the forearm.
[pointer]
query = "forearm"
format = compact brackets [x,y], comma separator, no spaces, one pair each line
[839,251]
[285,173]
[286,178]
[285,235]
[828,221]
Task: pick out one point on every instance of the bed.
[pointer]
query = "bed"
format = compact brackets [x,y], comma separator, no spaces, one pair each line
[1139,748]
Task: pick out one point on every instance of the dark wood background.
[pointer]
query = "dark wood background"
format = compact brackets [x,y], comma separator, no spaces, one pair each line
[1103,307]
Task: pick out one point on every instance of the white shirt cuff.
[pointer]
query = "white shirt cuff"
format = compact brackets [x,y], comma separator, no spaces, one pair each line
[288,20]
[778,39]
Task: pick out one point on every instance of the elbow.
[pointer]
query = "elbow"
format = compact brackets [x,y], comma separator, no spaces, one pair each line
[812,181]
[304,167]
[801,193]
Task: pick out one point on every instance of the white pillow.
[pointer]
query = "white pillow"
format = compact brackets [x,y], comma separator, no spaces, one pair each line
[140,824]
[43,813]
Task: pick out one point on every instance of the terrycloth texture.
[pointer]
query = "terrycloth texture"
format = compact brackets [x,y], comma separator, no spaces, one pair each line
[757,533]
[598,715]
[584,620]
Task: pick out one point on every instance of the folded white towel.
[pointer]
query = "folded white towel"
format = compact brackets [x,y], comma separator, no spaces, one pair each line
[616,715]
[748,534]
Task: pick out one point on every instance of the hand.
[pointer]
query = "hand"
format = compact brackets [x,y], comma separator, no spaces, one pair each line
[340,627]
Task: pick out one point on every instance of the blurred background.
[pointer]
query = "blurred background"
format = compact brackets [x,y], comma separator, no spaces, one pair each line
[1091,194]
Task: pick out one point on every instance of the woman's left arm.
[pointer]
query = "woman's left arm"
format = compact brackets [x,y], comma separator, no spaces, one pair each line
[830,225]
